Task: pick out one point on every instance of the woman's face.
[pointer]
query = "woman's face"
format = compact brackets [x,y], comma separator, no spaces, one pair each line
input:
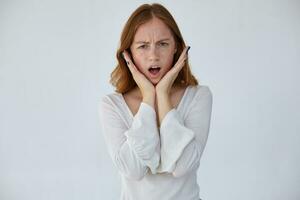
[153,47]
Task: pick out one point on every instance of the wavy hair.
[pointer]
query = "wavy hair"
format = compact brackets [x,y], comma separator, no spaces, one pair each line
[121,77]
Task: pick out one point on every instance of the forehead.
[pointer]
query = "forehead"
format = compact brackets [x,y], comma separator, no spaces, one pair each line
[155,29]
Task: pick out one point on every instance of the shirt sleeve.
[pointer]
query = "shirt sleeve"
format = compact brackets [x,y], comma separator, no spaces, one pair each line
[135,150]
[183,142]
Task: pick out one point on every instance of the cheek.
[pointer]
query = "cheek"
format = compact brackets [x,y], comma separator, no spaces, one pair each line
[168,61]
[138,61]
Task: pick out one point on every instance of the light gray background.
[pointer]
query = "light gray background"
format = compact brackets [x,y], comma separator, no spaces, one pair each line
[55,62]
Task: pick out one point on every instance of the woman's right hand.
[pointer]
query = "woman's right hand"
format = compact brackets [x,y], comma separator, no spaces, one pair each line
[146,87]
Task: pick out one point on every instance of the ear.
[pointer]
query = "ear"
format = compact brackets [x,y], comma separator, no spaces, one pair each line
[175,51]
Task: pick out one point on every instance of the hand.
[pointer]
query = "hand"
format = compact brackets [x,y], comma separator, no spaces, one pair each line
[146,87]
[165,84]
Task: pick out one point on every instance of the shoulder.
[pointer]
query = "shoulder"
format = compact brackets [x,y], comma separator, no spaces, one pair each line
[201,93]
[110,100]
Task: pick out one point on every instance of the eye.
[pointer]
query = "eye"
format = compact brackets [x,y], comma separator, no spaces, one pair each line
[164,44]
[142,46]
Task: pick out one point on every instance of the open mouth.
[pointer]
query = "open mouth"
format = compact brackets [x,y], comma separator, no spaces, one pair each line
[154,70]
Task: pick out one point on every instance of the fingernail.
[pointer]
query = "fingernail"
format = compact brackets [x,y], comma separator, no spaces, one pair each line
[187,51]
[127,62]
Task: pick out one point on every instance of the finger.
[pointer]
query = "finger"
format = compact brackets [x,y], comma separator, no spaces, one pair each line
[182,56]
[181,60]
[133,69]
[129,62]
[184,53]
[178,66]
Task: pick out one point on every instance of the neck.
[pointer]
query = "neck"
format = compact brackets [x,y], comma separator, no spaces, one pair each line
[137,92]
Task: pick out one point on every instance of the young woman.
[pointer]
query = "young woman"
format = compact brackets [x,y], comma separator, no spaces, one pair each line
[157,121]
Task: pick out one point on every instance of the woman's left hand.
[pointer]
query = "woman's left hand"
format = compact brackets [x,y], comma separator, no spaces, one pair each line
[165,84]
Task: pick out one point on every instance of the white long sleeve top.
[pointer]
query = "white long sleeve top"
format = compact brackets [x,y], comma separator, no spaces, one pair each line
[157,162]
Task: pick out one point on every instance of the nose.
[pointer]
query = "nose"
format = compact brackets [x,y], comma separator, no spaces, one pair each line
[153,54]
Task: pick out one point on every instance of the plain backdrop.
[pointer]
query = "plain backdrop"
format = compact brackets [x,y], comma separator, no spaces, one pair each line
[55,63]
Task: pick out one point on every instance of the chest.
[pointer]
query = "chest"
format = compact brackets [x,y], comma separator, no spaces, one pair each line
[134,103]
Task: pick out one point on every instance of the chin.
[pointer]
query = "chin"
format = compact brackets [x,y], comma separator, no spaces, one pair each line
[154,82]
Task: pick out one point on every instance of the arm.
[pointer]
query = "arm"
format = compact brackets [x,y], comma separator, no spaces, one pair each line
[135,150]
[164,105]
[183,142]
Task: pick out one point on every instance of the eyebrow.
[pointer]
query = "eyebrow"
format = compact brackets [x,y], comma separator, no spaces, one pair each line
[142,42]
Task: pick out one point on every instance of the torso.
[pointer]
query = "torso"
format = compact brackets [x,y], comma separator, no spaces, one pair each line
[133,99]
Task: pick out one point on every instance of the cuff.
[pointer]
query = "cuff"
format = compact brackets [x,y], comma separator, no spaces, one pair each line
[143,136]
[174,137]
